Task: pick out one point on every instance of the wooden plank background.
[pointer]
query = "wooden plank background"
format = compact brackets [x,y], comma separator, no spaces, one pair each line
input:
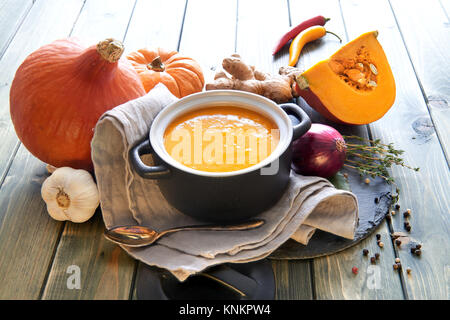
[36,250]
[422,191]
[12,14]
[424,28]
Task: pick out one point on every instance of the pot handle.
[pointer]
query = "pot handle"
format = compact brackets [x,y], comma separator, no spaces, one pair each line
[147,172]
[305,123]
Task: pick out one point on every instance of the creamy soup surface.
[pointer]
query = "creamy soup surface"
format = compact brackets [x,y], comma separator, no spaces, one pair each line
[221,139]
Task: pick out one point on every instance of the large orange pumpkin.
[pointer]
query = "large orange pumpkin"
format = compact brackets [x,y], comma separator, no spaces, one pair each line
[180,74]
[60,91]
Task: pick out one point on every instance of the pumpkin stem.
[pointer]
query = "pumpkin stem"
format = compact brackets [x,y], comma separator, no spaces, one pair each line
[110,49]
[156,65]
[302,82]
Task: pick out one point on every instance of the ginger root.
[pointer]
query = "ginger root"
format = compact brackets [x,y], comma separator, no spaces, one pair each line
[278,88]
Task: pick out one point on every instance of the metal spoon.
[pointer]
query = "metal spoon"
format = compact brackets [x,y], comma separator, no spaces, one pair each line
[139,236]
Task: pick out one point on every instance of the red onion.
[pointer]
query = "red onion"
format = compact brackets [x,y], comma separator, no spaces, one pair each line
[319,152]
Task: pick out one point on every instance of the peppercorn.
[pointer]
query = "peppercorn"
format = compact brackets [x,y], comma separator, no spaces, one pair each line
[393,213]
[395,266]
[406,214]
[397,260]
[377,256]
[397,206]
[418,246]
[380,244]
[413,250]
[365,252]
[398,242]
[378,236]
[367,180]
[388,217]
[377,200]
[408,228]
[372,260]
[355,270]
[418,252]
[408,270]
[399,265]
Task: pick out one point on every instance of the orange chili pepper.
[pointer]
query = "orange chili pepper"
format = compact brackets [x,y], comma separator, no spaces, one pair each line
[304,37]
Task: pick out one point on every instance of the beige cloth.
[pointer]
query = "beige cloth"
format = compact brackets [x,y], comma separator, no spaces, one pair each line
[128,199]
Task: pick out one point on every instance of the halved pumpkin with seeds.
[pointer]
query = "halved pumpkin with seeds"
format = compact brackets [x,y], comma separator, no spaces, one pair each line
[354,86]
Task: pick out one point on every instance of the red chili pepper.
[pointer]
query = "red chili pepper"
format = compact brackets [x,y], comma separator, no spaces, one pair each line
[316,21]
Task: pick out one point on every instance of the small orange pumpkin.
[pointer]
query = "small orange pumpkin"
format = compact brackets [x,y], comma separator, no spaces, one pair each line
[180,74]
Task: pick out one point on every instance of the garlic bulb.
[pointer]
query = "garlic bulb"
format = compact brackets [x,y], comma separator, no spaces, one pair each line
[70,194]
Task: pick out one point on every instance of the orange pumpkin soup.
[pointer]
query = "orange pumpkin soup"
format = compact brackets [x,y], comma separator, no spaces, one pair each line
[221,139]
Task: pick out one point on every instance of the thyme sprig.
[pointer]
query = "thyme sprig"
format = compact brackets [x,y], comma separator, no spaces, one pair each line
[373,158]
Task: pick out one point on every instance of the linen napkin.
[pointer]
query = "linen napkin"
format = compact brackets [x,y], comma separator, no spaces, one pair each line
[309,203]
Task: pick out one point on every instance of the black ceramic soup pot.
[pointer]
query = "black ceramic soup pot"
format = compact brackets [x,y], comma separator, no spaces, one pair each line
[222,196]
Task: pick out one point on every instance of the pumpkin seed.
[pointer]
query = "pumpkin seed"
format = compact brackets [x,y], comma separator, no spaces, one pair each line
[362,81]
[373,69]
[336,67]
[372,84]
[354,75]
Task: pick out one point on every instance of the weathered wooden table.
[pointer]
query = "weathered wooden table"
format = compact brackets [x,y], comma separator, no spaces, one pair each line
[36,252]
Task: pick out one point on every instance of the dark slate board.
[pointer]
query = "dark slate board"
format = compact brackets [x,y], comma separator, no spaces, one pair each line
[371,214]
